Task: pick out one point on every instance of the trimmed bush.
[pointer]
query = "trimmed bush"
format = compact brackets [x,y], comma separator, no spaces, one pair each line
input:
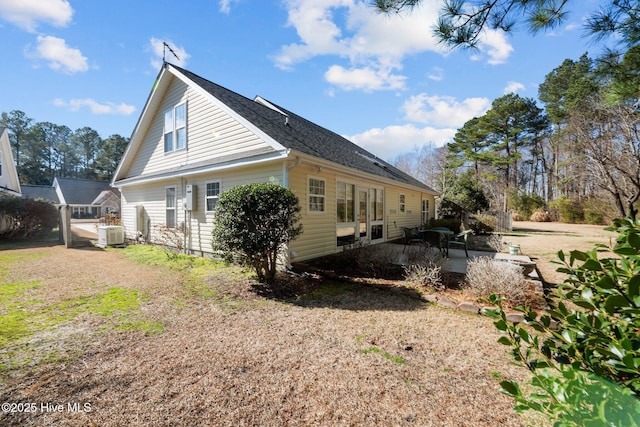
[540,215]
[22,218]
[255,222]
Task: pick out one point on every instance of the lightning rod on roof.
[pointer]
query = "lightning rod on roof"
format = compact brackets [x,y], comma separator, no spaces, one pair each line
[165,46]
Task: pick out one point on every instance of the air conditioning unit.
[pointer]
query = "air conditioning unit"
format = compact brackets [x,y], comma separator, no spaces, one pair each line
[110,235]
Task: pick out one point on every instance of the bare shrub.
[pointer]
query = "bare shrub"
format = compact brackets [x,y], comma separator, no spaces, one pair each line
[540,215]
[424,269]
[486,276]
[495,242]
[171,240]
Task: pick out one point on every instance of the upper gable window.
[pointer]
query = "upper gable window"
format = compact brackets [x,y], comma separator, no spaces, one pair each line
[175,128]
[0,163]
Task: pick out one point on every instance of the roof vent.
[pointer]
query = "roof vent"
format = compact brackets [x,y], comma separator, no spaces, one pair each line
[286,120]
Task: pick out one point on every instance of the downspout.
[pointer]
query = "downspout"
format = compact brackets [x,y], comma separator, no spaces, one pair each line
[286,169]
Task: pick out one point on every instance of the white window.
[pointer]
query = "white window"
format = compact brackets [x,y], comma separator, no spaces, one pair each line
[317,195]
[170,203]
[212,195]
[175,128]
[345,205]
[425,211]
[402,203]
[0,163]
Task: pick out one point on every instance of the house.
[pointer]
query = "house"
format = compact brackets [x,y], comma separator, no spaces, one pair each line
[86,198]
[195,139]
[42,192]
[9,183]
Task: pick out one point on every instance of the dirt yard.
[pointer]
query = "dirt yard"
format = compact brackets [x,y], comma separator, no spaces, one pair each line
[225,354]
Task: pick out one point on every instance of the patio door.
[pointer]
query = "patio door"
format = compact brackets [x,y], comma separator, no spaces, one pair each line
[363,214]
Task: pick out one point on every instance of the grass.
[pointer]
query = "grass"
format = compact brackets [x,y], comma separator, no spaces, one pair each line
[195,339]
[395,359]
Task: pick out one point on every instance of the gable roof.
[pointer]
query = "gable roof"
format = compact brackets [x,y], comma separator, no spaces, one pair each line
[9,181]
[75,191]
[297,133]
[44,192]
[280,128]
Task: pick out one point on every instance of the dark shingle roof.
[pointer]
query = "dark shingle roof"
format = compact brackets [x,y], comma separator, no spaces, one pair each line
[81,191]
[302,135]
[44,192]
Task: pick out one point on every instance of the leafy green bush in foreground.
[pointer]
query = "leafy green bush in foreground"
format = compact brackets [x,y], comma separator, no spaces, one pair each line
[586,371]
[255,221]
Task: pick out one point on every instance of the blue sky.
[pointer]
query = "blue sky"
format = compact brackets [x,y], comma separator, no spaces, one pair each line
[381,81]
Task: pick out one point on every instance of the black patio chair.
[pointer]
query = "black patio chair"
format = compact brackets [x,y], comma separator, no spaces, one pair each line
[461,240]
[410,236]
[435,240]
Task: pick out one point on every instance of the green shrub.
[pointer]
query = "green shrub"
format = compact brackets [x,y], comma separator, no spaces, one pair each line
[586,370]
[525,204]
[483,223]
[598,211]
[255,221]
[570,211]
[21,218]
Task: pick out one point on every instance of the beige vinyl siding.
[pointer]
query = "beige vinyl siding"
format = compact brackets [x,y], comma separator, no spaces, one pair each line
[319,233]
[211,133]
[411,217]
[199,223]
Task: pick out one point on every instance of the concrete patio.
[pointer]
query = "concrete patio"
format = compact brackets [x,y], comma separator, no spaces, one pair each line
[457,261]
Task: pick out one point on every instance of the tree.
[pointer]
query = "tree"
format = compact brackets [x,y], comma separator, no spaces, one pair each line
[462,21]
[464,194]
[256,221]
[500,138]
[566,89]
[609,137]
[108,155]
[17,123]
[87,140]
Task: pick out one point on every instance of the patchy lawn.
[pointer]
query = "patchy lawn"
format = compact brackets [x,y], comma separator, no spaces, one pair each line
[127,337]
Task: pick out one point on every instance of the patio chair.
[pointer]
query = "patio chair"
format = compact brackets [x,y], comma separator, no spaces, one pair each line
[460,240]
[410,236]
[435,240]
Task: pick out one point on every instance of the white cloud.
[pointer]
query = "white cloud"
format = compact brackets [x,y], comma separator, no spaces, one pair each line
[437,74]
[225,6]
[26,14]
[373,44]
[495,44]
[60,56]
[513,87]
[367,78]
[389,142]
[95,107]
[443,111]
[159,52]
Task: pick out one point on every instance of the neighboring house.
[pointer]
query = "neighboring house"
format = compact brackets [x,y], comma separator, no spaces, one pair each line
[196,139]
[9,183]
[85,197]
[42,192]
